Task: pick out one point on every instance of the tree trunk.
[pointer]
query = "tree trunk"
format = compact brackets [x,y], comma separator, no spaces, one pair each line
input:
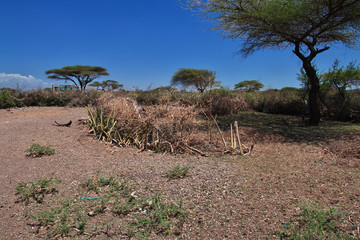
[314,94]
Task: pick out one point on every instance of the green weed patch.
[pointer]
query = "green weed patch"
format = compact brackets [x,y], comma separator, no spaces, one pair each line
[109,203]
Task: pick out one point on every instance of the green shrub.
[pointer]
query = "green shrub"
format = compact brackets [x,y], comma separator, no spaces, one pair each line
[37,150]
[340,108]
[288,101]
[314,223]
[40,97]
[177,171]
[36,190]
[109,198]
[148,98]
[159,218]
[5,100]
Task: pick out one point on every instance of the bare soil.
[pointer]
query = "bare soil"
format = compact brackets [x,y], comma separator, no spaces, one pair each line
[227,197]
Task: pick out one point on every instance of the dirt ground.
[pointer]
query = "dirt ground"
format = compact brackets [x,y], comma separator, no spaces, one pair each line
[227,197]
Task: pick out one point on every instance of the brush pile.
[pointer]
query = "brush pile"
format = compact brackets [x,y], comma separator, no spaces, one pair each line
[169,127]
[163,128]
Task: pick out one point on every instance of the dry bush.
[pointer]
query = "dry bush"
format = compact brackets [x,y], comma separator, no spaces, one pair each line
[161,127]
[170,127]
[227,105]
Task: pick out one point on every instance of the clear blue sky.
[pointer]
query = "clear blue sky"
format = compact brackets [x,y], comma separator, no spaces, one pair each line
[141,44]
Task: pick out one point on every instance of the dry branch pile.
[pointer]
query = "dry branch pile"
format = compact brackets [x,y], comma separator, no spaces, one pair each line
[346,150]
[160,128]
[170,127]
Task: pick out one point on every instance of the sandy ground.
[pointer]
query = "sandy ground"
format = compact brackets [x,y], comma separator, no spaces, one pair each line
[228,197]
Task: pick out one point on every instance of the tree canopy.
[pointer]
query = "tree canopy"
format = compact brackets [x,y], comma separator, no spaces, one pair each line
[342,77]
[201,79]
[308,27]
[249,85]
[107,85]
[80,75]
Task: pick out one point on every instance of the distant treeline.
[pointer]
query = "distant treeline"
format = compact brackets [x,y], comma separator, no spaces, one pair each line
[288,101]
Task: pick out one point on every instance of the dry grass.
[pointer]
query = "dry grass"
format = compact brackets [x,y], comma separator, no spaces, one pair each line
[171,127]
[163,127]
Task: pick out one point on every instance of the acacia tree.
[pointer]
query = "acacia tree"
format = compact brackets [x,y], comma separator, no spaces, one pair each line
[249,85]
[201,79]
[111,85]
[108,85]
[80,75]
[341,78]
[96,84]
[308,27]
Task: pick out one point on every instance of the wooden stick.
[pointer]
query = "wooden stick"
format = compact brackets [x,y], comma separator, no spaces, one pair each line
[231,136]
[196,150]
[222,136]
[238,136]
[234,139]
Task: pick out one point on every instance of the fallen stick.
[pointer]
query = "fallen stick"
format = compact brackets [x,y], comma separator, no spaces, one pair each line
[196,150]
[222,136]
[64,125]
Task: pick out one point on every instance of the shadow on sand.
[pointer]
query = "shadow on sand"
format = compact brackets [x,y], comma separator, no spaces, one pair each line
[291,128]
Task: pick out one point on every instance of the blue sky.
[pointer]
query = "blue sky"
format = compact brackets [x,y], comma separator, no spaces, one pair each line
[141,44]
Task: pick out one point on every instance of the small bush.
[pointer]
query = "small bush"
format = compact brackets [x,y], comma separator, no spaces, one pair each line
[341,107]
[177,172]
[10,98]
[6,101]
[148,98]
[314,223]
[37,150]
[159,218]
[36,190]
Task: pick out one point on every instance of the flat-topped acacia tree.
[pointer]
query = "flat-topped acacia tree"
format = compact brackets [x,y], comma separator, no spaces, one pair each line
[249,85]
[80,75]
[201,79]
[307,27]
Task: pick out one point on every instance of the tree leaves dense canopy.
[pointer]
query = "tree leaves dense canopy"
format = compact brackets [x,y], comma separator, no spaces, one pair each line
[249,85]
[283,23]
[80,75]
[308,27]
[342,77]
[108,85]
[201,79]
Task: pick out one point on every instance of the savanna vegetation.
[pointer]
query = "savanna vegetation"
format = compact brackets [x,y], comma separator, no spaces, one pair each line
[241,164]
[307,27]
[265,166]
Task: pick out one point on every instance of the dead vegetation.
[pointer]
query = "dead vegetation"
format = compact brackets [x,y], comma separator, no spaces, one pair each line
[171,127]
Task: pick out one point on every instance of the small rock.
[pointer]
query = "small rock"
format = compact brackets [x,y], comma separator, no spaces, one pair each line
[133,195]
[91,214]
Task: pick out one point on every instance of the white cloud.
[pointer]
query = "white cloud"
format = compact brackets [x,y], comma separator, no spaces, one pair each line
[14,80]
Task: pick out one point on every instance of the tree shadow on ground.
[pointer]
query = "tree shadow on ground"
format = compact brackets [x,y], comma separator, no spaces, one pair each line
[284,128]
